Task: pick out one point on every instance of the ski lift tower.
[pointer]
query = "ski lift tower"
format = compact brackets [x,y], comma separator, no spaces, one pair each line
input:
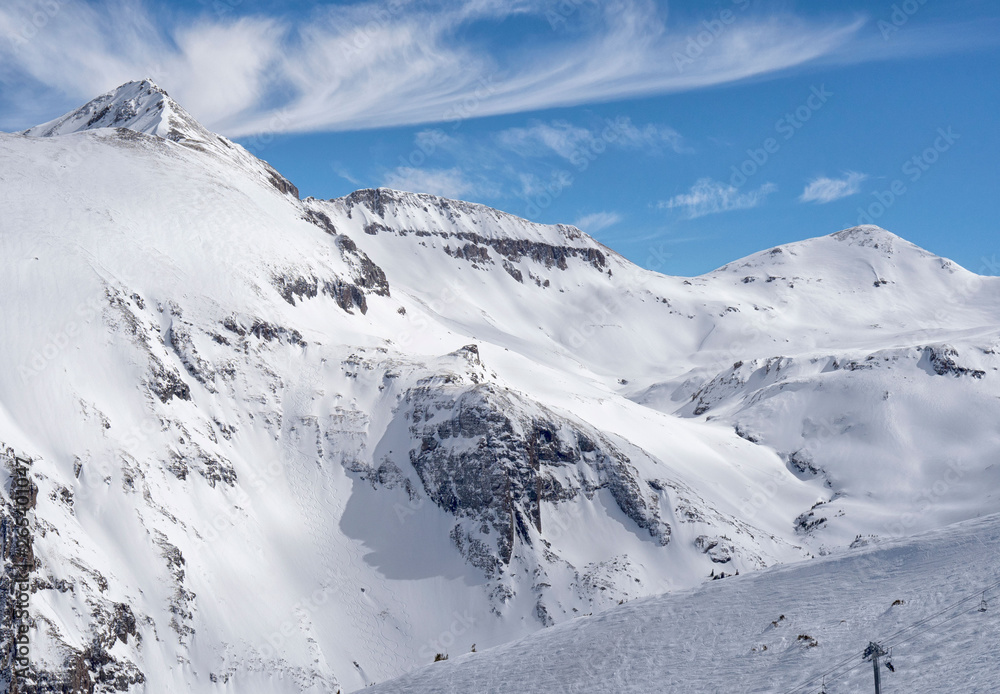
[873,653]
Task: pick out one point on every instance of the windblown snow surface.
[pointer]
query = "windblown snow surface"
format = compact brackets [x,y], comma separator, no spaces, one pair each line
[287,445]
[800,628]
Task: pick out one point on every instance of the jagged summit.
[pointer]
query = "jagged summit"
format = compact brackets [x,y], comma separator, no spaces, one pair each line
[140,106]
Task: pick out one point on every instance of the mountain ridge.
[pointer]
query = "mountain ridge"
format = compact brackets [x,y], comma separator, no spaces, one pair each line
[144,107]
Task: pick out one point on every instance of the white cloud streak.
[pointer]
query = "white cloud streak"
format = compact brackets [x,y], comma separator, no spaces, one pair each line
[823,190]
[570,142]
[377,65]
[598,221]
[449,183]
[711,197]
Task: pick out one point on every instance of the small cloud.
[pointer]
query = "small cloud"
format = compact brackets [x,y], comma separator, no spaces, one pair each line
[533,186]
[593,223]
[448,183]
[649,137]
[540,139]
[578,144]
[342,171]
[710,197]
[823,190]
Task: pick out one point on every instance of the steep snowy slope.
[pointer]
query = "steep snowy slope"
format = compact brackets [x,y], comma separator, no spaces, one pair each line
[287,445]
[779,630]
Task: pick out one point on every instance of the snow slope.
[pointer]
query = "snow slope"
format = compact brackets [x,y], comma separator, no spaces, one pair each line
[299,445]
[778,630]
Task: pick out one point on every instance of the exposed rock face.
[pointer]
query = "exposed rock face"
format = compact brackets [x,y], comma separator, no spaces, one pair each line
[366,277]
[942,360]
[719,549]
[282,184]
[392,207]
[489,458]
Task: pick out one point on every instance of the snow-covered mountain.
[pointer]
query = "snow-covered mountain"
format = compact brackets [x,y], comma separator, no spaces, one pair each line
[306,445]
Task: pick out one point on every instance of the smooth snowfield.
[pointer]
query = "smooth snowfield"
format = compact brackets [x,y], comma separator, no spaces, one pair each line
[777,631]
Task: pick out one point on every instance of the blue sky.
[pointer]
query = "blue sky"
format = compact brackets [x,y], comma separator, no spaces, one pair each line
[681,134]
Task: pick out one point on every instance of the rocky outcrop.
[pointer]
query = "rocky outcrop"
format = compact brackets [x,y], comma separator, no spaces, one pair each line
[477,248]
[281,184]
[350,293]
[490,459]
[941,359]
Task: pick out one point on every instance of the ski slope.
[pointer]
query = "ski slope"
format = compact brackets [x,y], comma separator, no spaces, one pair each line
[784,630]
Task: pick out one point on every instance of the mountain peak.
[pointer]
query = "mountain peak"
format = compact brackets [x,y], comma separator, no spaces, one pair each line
[141,106]
[853,250]
[868,235]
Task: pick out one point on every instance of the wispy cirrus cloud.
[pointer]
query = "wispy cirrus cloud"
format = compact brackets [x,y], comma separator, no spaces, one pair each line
[381,64]
[58,55]
[708,196]
[568,140]
[597,221]
[823,190]
[449,183]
